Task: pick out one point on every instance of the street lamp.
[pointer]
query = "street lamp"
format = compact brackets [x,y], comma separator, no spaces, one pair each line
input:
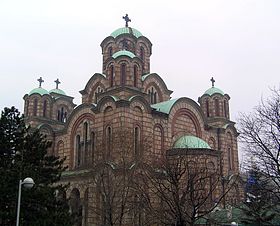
[28,183]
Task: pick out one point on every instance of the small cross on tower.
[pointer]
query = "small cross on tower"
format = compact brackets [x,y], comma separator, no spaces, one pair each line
[127,19]
[40,80]
[57,83]
[213,81]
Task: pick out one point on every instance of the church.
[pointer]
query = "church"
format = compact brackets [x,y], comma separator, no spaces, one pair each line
[127,100]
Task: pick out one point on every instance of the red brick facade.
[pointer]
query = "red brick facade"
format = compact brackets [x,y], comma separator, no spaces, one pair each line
[127,96]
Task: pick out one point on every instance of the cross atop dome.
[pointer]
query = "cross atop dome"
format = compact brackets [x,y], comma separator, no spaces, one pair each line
[127,19]
[213,81]
[40,80]
[57,83]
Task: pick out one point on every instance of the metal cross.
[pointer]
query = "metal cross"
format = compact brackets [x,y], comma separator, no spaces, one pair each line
[213,81]
[40,80]
[57,83]
[127,19]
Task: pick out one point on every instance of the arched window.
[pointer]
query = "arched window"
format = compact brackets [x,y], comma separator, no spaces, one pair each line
[217,108]
[109,140]
[111,75]
[45,105]
[153,95]
[35,107]
[135,71]
[27,108]
[207,108]
[110,51]
[58,115]
[136,141]
[76,208]
[92,138]
[142,53]
[229,152]
[61,114]
[78,150]
[85,134]
[123,74]
[225,108]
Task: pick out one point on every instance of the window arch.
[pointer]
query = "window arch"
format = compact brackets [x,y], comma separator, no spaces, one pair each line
[35,107]
[123,74]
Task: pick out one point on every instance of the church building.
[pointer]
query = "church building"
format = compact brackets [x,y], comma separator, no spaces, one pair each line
[126,96]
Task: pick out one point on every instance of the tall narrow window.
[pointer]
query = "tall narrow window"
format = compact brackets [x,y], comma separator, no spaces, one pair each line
[92,138]
[78,150]
[123,74]
[217,108]
[225,108]
[142,53]
[111,75]
[135,76]
[109,140]
[229,158]
[61,114]
[45,104]
[155,97]
[35,106]
[207,108]
[110,51]
[58,115]
[136,141]
[85,157]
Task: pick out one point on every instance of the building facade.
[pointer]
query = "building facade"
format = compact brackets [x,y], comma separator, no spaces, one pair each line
[127,97]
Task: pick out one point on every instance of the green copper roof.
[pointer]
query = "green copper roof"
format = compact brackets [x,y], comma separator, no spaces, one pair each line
[39,91]
[123,53]
[126,30]
[165,106]
[214,90]
[58,91]
[190,142]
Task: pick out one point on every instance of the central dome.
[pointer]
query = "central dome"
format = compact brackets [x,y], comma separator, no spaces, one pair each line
[126,30]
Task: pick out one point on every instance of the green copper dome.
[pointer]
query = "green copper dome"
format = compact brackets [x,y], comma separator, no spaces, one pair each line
[213,90]
[39,91]
[58,91]
[123,53]
[191,142]
[126,30]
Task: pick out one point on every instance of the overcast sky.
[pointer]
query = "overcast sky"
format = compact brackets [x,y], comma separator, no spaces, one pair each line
[237,42]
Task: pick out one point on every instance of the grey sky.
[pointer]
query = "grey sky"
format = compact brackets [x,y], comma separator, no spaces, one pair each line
[235,41]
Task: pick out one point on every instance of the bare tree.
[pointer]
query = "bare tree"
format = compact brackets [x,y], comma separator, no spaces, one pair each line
[115,180]
[260,133]
[182,189]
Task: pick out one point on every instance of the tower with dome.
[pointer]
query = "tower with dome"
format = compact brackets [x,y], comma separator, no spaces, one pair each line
[127,96]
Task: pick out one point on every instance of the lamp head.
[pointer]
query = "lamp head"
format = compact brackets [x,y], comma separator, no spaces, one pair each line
[28,182]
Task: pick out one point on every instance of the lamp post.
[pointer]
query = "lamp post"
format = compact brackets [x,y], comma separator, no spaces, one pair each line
[28,183]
